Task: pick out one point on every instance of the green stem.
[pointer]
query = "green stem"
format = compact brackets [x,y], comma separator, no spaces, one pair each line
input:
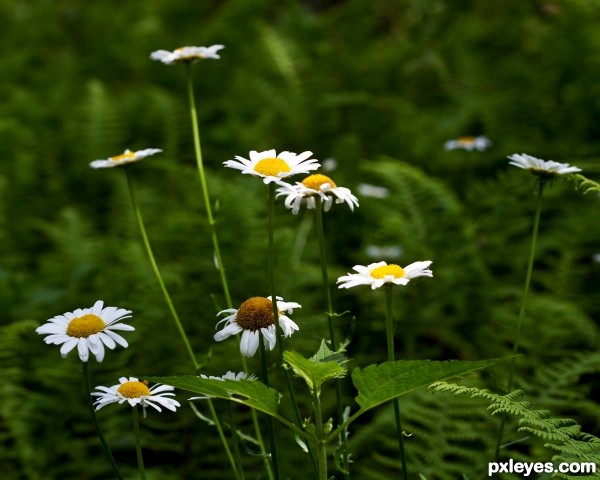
[236,446]
[264,374]
[327,295]
[271,269]
[138,443]
[389,330]
[232,460]
[321,438]
[170,305]
[529,274]
[148,248]
[90,403]
[215,241]
[209,215]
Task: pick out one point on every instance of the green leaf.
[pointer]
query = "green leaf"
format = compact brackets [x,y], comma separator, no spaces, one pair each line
[251,393]
[377,384]
[315,371]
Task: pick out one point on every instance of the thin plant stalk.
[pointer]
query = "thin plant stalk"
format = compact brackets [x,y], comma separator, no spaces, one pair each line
[138,443]
[90,403]
[389,330]
[157,273]
[205,196]
[264,375]
[271,269]
[213,232]
[171,307]
[321,438]
[236,446]
[330,314]
[529,274]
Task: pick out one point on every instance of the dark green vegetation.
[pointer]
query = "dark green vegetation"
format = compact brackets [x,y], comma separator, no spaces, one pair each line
[378,85]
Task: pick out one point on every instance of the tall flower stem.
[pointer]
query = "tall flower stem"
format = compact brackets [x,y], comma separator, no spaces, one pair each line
[330,314]
[171,307]
[389,330]
[205,196]
[213,232]
[90,403]
[321,438]
[529,274]
[264,375]
[157,273]
[138,443]
[271,269]
[236,446]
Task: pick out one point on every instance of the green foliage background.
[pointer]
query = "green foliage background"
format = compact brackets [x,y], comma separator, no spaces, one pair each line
[377,85]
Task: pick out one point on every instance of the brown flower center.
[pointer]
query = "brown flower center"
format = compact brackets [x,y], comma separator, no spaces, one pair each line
[83,327]
[384,270]
[255,313]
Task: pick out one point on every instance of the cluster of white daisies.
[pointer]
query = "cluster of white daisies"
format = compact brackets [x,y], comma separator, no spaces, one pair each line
[93,329]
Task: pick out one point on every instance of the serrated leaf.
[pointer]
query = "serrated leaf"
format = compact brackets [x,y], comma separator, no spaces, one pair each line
[251,393]
[314,372]
[325,354]
[377,384]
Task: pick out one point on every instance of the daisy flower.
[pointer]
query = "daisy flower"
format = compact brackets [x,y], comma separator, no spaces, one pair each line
[136,392]
[541,167]
[272,167]
[126,157]
[231,376]
[468,143]
[186,54]
[88,329]
[253,318]
[304,193]
[374,191]
[380,273]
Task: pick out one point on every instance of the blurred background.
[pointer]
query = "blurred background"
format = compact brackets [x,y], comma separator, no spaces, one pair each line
[375,89]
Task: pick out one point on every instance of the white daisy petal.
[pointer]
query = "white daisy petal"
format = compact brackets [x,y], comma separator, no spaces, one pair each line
[87,329]
[378,274]
[272,167]
[541,167]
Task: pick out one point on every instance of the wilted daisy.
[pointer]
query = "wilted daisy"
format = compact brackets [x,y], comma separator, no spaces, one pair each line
[377,274]
[253,318]
[126,157]
[136,392]
[305,193]
[88,329]
[273,167]
[541,167]
[468,143]
[186,54]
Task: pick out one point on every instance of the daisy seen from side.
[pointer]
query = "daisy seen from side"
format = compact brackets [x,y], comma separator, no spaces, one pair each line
[306,192]
[273,167]
[124,158]
[537,166]
[378,274]
[254,318]
[89,329]
[136,392]
[186,54]
[468,143]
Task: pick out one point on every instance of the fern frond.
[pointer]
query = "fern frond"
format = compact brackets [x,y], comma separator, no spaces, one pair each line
[559,434]
[584,184]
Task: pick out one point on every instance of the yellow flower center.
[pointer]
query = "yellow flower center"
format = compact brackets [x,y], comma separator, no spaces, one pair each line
[272,167]
[392,269]
[255,313]
[83,327]
[128,155]
[466,140]
[314,182]
[134,389]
